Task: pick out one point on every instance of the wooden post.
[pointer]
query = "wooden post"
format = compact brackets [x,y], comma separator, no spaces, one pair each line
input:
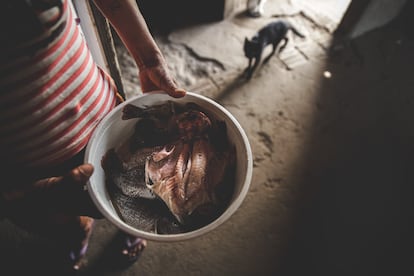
[98,36]
[105,34]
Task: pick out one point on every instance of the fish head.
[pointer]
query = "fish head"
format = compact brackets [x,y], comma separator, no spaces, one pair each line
[178,174]
[191,124]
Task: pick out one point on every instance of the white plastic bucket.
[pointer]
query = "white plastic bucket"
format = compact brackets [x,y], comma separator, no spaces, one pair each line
[112,131]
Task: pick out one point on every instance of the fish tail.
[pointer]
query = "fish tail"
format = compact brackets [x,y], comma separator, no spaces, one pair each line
[131,111]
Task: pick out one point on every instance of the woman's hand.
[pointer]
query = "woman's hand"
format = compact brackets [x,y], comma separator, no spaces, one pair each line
[64,194]
[156,76]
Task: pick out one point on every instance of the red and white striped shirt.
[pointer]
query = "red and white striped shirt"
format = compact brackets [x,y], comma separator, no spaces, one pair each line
[52,94]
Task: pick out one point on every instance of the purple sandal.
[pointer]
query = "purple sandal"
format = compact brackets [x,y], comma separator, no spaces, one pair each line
[131,250]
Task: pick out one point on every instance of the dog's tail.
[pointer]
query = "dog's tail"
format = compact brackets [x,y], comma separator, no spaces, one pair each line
[295,31]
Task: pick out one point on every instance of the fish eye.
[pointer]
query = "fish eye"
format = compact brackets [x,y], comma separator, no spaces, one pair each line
[150,182]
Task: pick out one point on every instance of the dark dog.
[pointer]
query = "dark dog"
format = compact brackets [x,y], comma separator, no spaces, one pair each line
[273,33]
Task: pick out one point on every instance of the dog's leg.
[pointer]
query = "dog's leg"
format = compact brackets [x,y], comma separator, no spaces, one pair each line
[271,54]
[256,62]
[285,41]
[248,68]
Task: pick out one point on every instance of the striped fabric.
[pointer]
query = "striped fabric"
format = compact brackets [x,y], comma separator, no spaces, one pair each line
[51,101]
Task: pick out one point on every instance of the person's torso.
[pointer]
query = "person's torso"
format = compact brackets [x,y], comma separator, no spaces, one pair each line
[52,94]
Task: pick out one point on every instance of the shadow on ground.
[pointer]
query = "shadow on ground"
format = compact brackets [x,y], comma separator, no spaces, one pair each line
[354,215]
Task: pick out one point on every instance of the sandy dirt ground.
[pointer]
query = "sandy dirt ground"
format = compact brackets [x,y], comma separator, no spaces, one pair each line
[330,123]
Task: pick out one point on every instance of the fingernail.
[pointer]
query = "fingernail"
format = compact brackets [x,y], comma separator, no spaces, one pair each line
[179,92]
[86,169]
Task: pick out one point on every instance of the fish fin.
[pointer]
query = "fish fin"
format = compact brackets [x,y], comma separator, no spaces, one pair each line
[131,111]
[163,153]
[110,161]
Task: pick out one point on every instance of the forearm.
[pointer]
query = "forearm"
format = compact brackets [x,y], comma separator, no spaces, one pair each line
[130,25]
[127,20]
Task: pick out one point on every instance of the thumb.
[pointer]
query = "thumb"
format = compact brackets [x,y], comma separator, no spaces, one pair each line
[178,93]
[80,174]
[167,83]
[169,86]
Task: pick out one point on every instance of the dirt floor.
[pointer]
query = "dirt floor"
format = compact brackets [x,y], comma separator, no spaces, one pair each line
[331,127]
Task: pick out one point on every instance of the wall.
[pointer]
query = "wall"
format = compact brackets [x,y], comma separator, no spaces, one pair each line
[166,15]
[377,14]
